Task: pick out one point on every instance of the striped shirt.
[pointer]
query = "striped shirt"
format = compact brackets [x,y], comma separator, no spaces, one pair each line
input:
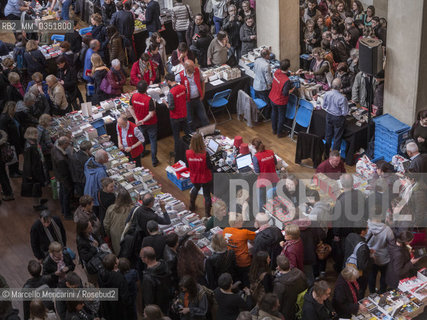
[181,14]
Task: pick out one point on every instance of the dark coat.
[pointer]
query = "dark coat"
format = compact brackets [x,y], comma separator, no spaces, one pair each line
[363,254]
[248,44]
[200,49]
[229,305]
[233,30]
[34,283]
[9,126]
[115,309]
[85,248]
[75,40]
[157,242]
[144,214]
[77,166]
[155,286]
[400,265]
[152,16]
[343,301]
[355,201]
[310,238]
[99,33]
[170,257]
[107,11]
[50,267]
[191,32]
[124,22]
[116,48]
[13,94]
[39,240]
[34,167]
[312,310]
[268,240]
[35,62]
[339,50]
[288,286]
[218,264]
[419,164]
[61,169]
[99,95]
[69,76]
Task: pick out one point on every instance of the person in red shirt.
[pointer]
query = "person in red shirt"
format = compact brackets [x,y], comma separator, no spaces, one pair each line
[237,239]
[332,167]
[177,104]
[143,69]
[200,167]
[279,96]
[143,110]
[130,139]
[264,162]
[293,247]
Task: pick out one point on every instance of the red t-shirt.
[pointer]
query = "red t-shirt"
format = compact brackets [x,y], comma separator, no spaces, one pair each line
[333,173]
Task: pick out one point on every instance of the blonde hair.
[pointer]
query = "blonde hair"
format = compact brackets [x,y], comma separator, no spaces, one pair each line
[8,62]
[218,243]
[45,120]
[31,45]
[96,17]
[52,79]
[13,78]
[292,230]
[9,107]
[31,133]
[197,144]
[37,76]
[217,207]
[235,219]
[55,247]
[350,273]
[96,61]
[318,51]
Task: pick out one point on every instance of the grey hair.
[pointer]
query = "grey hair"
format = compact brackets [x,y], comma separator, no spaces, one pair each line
[354,53]
[115,63]
[29,97]
[99,155]
[336,84]
[51,78]
[62,141]
[94,43]
[412,147]
[346,181]
[34,90]
[350,273]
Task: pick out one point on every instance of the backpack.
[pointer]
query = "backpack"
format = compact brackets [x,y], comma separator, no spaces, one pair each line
[131,240]
[212,303]
[18,55]
[352,259]
[300,303]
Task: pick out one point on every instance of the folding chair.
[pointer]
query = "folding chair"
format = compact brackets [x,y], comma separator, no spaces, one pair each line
[291,110]
[220,100]
[260,104]
[303,116]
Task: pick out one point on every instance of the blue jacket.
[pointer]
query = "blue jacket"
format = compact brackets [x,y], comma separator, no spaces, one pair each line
[87,64]
[152,16]
[94,173]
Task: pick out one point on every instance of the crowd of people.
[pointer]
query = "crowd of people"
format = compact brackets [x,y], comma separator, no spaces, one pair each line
[256,271]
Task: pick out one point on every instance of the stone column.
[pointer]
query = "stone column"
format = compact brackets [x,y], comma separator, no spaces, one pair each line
[406,69]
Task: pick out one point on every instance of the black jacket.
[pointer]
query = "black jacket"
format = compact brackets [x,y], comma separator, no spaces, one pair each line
[107,11]
[34,283]
[69,76]
[400,265]
[85,248]
[419,164]
[124,22]
[99,33]
[12,94]
[155,286]
[229,305]
[192,32]
[115,309]
[145,214]
[343,301]
[312,310]
[200,48]
[99,95]
[50,267]
[363,254]
[218,264]
[9,126]
[170,257]
[349,204]
[233,30]
[75,40]
[39,240]
[269,240]
[152,16]
[157,242]
[77,166]
[35,62]
[288,286]
[310,237]
[34,169]
[61,170]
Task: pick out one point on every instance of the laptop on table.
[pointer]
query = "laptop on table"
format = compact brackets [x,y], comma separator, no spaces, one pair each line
[244,163]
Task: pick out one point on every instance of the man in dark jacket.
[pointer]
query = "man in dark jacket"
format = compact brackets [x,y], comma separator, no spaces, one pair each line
[232,25]
[418,160]
[316,304]
[146,213]
[155,239]
[111,277]
[124,22]
[349,212]
[107,10]
[155,280]
[75,39]
[152,17]
[44,231]
[268,238]
[288,284]
[362,254]
[193,30]
[77,166]
[61,170]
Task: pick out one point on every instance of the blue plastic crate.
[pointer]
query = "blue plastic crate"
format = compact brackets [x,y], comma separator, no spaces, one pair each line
[181,184]
[99,126]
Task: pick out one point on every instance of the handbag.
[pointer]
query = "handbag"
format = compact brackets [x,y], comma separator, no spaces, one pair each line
[94,265]
[323,250]
[106,86]
[31,189]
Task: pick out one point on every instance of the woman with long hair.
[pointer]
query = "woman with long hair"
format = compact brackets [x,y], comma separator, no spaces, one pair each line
[358,10]
[193,302]
[200,168]
[191,261]
[157,39]
[106,197]
[115,218]
[419,131]
[99,72]
[38,311]
[143,69]
[35,174]
[260,275]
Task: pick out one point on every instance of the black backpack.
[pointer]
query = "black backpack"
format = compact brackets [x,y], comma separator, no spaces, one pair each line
[132,240]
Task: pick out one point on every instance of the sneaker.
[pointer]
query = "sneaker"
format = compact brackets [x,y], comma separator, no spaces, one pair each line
[8,198]
[156,163]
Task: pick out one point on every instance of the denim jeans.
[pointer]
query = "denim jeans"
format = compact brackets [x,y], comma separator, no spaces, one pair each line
[263,95]
[277,117]
[196,107]
[373,278]
[65,13]
[178,125]
[218,24]
[65,193]
[151,131]
[334,129]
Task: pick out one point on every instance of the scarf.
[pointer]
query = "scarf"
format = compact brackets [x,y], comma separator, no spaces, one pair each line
[18,86]
[311,13]
[353,285]
[59,263]
[57,233]
[143,69]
